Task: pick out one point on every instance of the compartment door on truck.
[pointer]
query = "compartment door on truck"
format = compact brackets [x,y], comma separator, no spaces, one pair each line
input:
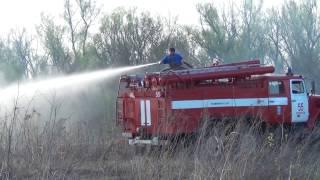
[299,101]
[278,102]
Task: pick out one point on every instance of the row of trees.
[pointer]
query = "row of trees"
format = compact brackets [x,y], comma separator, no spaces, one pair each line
[285,36]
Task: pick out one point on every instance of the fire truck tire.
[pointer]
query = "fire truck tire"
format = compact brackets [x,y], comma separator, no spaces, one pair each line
[150,150]
[140,150]
[313,136]
[209,127]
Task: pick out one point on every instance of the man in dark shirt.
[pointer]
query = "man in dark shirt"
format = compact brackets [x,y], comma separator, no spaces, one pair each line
[173,59]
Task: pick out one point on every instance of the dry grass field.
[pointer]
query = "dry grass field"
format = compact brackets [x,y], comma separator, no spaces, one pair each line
[58,150]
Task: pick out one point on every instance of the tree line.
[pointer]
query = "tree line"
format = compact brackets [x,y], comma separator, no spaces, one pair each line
[285,36]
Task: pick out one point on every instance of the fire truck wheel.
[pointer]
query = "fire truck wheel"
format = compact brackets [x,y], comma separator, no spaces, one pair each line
[149,150]
[154,150]
[140,149]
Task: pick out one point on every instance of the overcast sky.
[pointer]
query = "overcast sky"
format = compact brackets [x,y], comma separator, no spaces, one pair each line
[26,13]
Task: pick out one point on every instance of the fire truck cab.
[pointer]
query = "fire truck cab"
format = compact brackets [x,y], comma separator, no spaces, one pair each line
[158,105]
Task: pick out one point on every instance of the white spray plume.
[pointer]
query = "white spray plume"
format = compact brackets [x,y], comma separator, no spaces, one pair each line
[61,83]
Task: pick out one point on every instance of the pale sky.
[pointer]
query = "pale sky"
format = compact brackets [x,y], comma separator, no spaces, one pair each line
[26,13]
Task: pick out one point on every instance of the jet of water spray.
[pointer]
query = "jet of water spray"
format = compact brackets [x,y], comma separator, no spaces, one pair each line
[30,88]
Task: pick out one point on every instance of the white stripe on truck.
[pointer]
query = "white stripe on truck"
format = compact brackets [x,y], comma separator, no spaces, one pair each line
[142,113]
[148,110]
[145,112]
[240,102]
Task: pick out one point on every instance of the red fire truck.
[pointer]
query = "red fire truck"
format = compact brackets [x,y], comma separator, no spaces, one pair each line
[164,104]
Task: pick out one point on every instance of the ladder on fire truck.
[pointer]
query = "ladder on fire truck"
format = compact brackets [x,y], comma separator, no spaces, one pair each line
[241,69]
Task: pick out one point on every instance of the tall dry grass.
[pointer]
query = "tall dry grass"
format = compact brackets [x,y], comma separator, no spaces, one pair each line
[58,148]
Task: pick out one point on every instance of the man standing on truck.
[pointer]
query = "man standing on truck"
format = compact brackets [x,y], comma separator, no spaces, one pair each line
[174,60]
